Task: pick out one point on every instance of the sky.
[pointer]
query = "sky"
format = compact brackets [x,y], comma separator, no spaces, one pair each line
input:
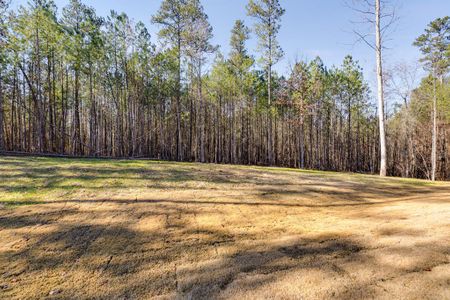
[309,27]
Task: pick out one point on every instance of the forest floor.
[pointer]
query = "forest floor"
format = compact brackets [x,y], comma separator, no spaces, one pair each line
[111,229]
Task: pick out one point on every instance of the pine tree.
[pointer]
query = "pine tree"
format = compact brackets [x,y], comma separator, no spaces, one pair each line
[435,46]
[268,14]
[198,44]
[173,16]
[3,27]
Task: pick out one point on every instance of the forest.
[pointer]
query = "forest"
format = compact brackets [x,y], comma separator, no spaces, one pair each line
[172,159]
[76,83]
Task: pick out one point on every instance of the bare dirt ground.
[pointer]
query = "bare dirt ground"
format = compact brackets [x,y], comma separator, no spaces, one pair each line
[81,229]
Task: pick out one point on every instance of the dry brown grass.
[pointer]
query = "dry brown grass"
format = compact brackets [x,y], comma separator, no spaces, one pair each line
[84,229]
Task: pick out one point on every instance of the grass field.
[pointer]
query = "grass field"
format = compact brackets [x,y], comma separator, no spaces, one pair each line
[83,229]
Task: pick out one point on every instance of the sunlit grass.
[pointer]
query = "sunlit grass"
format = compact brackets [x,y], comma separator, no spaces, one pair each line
[35,179]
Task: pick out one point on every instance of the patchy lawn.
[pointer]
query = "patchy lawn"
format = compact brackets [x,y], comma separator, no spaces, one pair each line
[145,229]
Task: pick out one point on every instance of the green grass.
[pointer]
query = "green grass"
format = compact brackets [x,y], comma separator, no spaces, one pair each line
[29,180]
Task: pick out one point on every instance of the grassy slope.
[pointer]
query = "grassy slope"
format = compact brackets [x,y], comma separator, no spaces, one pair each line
[30,180]
[99,229]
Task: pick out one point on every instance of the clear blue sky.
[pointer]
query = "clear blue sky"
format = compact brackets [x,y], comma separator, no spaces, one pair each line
[309,28]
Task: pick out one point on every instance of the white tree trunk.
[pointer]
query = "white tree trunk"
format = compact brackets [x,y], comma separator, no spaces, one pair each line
[434,134]
[380,90]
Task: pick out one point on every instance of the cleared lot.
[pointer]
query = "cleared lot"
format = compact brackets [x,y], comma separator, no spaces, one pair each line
[142,229]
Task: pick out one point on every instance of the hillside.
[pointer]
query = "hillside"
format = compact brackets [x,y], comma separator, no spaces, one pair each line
[127,229]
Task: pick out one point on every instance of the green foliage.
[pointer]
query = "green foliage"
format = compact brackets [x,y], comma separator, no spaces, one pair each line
[219,82]
[138,96]
[37,23]
[3,32]
[268,14]
[199,32]
[240,61]
[163,76]
[173,17]
[421,100]
[79,23]
[435,46]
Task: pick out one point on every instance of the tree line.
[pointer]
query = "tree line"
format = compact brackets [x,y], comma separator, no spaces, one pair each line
[72,82]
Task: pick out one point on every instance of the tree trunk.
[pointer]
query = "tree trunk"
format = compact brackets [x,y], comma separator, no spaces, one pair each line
[434,133]
[77,123]
[380,90]
[93,119]
[202,115]
[178,100]
[2,143]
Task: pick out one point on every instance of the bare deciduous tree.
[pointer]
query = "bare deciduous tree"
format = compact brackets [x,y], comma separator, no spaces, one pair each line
[381,15]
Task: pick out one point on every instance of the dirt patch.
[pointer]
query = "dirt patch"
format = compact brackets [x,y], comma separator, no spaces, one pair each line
[163,230]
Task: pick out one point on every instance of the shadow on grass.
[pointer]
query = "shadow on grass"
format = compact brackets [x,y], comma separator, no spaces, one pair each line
[352,199]
[14,203]
[114,258]
[96,249]
[138,264]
